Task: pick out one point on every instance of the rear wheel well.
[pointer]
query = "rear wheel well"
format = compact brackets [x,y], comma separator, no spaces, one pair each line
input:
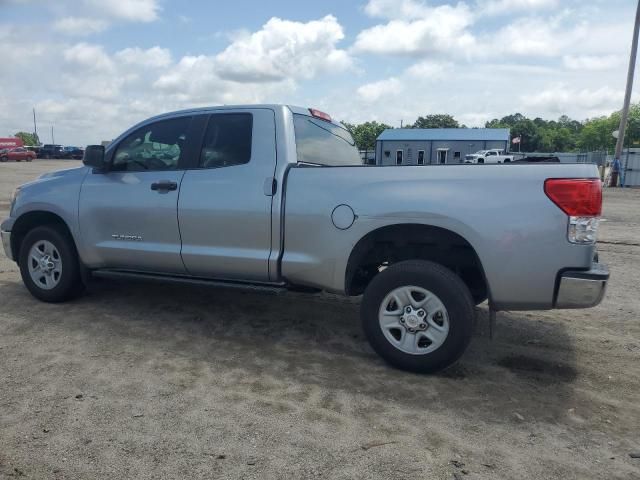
[31,220]
[388,245]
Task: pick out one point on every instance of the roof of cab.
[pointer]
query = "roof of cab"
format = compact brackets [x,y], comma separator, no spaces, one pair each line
[294,109]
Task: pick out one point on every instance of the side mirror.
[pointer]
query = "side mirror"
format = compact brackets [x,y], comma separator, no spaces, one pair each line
[94,157]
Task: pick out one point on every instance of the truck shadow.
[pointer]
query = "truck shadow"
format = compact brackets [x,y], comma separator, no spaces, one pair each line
[272,342]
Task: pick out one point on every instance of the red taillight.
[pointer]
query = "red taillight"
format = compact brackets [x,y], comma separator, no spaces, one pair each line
[577,197]
[320,115]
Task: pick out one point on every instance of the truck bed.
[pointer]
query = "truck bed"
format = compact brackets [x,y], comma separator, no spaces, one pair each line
[518,233]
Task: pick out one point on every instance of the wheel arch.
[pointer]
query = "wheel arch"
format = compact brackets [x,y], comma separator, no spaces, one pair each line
[412,241]
[30,220]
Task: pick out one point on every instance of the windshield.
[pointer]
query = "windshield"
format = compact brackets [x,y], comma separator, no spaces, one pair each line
[322,143]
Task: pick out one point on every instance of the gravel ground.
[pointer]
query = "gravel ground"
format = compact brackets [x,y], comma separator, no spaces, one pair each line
[161,381]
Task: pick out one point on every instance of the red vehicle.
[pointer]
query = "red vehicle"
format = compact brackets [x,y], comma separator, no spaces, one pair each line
[18,154]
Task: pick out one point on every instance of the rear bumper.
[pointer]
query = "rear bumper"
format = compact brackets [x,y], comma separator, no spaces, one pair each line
[582,289]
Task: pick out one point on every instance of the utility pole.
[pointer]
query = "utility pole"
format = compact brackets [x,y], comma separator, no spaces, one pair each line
[627,96]
[35,127]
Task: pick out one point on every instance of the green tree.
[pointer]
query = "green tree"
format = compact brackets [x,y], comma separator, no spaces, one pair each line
[28,138]
[540,135]
[596,135]
[436,121]
[365,134]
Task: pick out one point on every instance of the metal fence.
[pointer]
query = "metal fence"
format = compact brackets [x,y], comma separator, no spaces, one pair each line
[599,158]
[630,160]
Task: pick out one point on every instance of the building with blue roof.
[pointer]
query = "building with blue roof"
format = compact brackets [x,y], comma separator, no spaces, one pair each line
[425,146]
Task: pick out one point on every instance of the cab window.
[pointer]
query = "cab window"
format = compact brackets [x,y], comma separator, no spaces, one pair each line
[157,146]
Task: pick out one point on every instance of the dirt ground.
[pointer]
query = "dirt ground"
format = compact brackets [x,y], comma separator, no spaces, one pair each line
[161,381]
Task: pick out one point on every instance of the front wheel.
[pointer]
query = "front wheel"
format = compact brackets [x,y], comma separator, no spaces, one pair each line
[49,265]
[418,316]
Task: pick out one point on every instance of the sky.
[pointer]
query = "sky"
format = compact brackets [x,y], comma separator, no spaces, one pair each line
[93,68]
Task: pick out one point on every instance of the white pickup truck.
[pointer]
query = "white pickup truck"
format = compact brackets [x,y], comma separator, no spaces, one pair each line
[489,156]
[275,197]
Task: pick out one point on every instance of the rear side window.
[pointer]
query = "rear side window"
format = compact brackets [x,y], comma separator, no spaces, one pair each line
[323,143]
[227,141]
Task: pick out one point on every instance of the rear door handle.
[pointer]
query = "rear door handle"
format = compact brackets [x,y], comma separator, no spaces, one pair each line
[164,185]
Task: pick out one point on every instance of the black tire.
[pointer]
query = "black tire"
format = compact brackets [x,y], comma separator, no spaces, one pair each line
[4,159]
[70,284]
[451,291]
[481,160]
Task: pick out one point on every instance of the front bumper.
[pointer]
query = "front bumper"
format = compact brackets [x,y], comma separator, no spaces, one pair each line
[582,289]
[6,243]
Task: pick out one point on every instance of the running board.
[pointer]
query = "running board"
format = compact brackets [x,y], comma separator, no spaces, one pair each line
[273,288]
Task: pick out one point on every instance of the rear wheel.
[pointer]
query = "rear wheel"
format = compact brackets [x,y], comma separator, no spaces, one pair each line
[418,316]
[49,265]
[4,159]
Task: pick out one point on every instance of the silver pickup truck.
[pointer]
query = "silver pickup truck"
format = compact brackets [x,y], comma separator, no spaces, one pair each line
[276,197]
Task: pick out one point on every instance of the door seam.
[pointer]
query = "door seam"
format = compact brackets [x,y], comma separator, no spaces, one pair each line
[178,220]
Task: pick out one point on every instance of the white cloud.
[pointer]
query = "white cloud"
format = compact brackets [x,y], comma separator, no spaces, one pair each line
[154,57]
[593,63]
[90,93]
[15,51]
[79,25]
[89,57]
[130,10]
[562,98]
[504,7]
[192,77]
[530,37]
[512,39]
[87,71]
[428,70]
[427,30]
[284,49]
[390,9]
[372,92]
[194,81]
